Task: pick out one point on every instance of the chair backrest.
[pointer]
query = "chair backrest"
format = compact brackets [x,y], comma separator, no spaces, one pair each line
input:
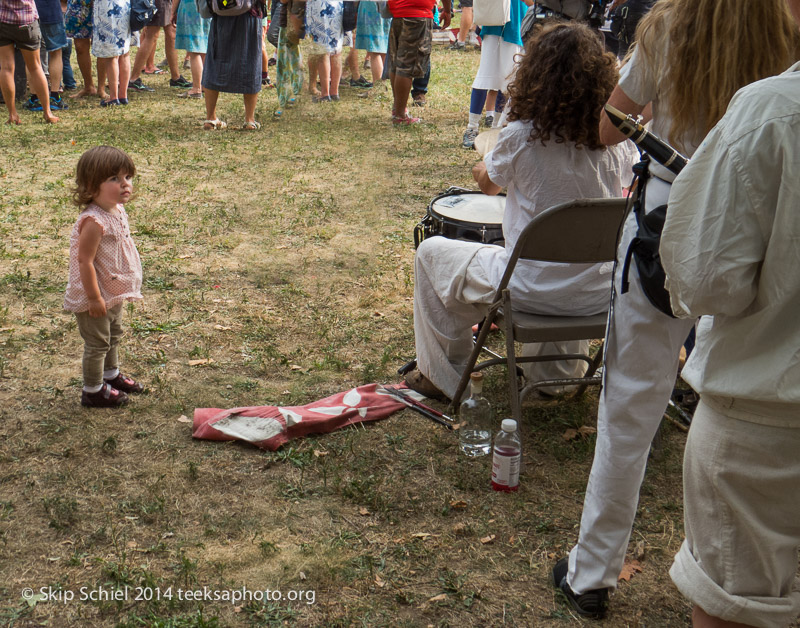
[584,231]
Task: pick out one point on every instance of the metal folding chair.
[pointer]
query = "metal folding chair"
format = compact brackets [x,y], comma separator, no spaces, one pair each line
[581,231]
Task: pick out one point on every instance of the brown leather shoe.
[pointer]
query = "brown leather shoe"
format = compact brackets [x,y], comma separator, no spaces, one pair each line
[417,382]
[125,384]
[106,397]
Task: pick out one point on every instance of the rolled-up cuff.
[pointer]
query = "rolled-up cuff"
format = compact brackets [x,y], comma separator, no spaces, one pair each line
[763,612]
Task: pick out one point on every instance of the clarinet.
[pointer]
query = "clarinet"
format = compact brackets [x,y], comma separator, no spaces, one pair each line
[657,148]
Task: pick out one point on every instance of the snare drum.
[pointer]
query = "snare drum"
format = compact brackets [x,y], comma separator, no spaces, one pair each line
[461,214]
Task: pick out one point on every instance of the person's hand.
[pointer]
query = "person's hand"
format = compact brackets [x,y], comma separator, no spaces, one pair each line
[97,307]
[444,18]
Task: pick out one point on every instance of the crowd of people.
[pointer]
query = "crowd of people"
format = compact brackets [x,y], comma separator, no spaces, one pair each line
[703,79]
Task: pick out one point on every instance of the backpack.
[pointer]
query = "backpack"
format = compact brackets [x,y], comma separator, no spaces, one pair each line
[231,8]
[142,12]
[643,249]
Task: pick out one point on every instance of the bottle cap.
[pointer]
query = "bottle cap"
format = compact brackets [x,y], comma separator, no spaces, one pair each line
[477,376]
[509,425]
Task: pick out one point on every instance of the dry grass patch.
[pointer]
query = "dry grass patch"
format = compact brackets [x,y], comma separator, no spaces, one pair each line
[290,246]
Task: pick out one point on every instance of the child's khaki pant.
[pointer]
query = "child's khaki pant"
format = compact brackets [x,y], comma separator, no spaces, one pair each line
[101,338]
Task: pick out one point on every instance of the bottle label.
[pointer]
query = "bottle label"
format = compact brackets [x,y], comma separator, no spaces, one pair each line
[505,469]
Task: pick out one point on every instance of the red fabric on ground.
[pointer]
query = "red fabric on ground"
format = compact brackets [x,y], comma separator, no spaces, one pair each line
[269,427]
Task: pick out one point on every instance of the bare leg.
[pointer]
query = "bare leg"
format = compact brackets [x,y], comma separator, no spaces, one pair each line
[324,69]
[250,107]
[102,75]
[7,85]
[336,72]
[352,64]
[124,74]
[84,57]
[172,54]
[376,66]
[147,46]
[150,64]
[38,82]
[701,619]
[466,24]
[56,70]
[313,63]
[491,99]
[212,96]
[196,60]
[112,70]
[401,88]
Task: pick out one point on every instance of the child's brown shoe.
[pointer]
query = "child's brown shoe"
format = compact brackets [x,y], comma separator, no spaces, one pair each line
[125,384]
[106,397]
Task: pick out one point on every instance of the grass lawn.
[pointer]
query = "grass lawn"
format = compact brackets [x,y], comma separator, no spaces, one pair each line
[284,258]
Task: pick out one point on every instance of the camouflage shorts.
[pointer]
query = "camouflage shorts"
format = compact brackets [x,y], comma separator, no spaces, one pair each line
[410,46]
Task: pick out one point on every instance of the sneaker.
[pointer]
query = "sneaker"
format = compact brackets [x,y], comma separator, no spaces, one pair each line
[125,384]
[458,45]
[360,82]
[187,64]
[469,138]
[57,103]
[33,104]
[122,101]
[163,65]
[110,102]
[488,121]
[592,604]
[139,86]
[106,397]
[335,97]
[405,120]
[180,82]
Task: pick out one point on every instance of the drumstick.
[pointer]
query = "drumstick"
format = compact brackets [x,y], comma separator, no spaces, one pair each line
[421,410]
[419,404]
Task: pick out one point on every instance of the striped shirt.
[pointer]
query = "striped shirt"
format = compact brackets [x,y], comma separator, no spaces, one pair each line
[18,12]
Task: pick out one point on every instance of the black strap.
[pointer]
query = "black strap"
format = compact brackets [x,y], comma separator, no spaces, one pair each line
[642,172]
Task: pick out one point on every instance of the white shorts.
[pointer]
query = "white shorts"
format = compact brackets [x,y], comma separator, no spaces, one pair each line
[741,485]
[498,63]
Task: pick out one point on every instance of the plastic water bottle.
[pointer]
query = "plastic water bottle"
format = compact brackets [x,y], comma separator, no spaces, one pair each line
[506,457]
[476,417]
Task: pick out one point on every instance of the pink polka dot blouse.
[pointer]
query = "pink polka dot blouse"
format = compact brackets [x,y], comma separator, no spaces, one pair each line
[117,263]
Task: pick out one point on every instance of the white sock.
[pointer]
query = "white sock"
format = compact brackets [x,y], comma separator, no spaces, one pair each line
[474,121]
[110,374]
[92,389]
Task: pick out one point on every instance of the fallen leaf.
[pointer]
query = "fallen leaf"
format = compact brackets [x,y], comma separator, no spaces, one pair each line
[460,529]
[378,314]
[438,598]
[379,582]
[488,539]
[570,434]
[302,575]
[629,569]
[639,550]
[421,535]
[364,512]
[73,142]
[585,430]
[184,419]
[281,246]
[187,256]
[318,453]
[131,543]
[458,504]
[4,329]
[221,327]
[296,367]
[200,362]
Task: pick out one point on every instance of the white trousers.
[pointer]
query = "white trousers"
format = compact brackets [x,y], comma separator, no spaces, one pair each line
[452,292]
[641,363]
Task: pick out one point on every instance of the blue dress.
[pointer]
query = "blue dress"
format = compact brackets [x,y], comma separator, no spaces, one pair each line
[111,34]
[191,33]
[324,26]
[372,32]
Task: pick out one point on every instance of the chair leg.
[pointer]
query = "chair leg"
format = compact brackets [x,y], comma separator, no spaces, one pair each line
[598,360]
[511,360]
[473,357]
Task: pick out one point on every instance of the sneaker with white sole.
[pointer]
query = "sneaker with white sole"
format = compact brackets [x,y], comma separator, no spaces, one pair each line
[469,138]
[592,604]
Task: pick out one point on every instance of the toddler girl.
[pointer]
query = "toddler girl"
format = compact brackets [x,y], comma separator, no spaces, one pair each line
[104,271]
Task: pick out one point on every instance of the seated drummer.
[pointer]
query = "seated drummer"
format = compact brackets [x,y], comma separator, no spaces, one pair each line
[550,153]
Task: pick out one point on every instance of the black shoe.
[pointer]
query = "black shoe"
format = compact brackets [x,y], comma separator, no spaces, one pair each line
[180,82]
[138,86]
[360,82]
[592,604]
[106,397]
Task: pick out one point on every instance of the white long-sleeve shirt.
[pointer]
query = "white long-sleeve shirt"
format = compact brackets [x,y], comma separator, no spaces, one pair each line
[731,250]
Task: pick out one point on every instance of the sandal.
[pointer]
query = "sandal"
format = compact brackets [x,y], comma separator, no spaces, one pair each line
[125,384]
[214,125]
[417,382]
[106,397]
[251,126]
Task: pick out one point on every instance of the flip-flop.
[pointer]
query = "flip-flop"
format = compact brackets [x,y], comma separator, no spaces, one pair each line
[251,126]
[214,125]
[156,71]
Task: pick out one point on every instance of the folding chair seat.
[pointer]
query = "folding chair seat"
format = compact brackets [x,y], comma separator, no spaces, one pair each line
[581,231]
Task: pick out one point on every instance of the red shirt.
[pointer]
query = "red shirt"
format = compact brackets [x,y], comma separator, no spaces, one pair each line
[412,8]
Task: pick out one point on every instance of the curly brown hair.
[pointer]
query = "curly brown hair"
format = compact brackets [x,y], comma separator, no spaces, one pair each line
[562,82]
[95,166]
